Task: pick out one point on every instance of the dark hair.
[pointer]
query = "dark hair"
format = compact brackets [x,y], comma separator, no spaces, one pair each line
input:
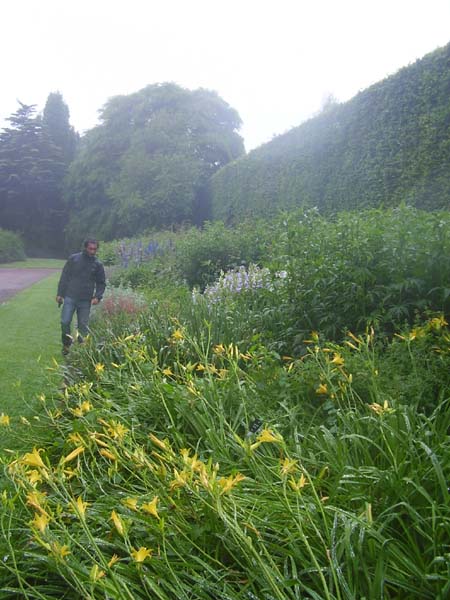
[90,241]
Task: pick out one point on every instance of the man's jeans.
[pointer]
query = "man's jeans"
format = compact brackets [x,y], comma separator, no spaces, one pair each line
[83,308]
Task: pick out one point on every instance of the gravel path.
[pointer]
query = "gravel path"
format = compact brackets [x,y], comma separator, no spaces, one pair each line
[13,281]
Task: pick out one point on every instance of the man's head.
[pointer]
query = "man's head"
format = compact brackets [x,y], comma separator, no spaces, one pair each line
[90,246]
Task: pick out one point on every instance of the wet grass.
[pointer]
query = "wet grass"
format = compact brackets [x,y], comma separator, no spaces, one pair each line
[29,325]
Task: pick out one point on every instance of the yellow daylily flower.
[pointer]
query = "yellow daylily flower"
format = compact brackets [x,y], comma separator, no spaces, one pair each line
[33,459]
[118,523]
[267,436]
[4,420]
[40,521]
[72,455]
[60,551]
[288,465]
[322,389]
[34,476]
[162,444]
[177,335]
[140,555]
[114,559]
[80,507]
[35,499]
[150,507]
[380,410]
[337,359]
[228,483]
[107,454]
[130,503]
[96,573]
[99,368]
[299,484]
[167,371]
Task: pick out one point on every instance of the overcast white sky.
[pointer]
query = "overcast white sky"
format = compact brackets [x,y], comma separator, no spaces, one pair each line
[273,60]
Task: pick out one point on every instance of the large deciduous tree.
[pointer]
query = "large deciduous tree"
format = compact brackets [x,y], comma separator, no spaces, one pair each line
[31,172]
[149,161]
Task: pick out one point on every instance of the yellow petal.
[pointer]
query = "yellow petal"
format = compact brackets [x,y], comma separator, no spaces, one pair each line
[150,507]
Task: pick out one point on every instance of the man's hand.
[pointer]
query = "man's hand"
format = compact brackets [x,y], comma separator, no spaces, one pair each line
[59,300]
[95,301]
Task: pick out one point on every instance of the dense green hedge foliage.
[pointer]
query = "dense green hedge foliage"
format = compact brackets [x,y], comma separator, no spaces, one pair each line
[388,144]
[11,247]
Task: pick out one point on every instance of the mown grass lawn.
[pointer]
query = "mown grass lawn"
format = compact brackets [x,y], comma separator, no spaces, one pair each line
[29,326]
[34,263]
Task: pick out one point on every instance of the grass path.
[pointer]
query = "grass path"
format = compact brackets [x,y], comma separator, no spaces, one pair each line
[29,339]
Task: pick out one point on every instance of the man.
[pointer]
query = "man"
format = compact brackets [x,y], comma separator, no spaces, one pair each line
[81,285]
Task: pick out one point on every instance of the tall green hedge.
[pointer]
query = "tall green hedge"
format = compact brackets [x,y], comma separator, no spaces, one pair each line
[11,247]
[390,143]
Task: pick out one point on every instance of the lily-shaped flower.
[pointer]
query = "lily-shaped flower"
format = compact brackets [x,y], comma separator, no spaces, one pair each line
[40,522]
[322,389]
[130,503]
[228,483]
[96,573]
[118,523]
[80,507]
[140,555]
[33,459]
[150,507]
[288,465]
[99,368]
[4,420]
[337,359]
[72,455]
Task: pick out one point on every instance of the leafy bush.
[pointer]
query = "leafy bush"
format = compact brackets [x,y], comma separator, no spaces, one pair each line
[11,247]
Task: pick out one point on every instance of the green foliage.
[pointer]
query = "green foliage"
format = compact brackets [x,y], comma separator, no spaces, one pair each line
[387,145]
[201,254]
[154,475]
[11,247]
[31,172]
[147,165]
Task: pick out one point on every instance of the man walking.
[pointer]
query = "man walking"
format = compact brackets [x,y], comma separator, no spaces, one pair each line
[81,285]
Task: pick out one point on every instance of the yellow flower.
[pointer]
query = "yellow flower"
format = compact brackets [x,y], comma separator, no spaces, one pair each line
[99,368]
[438,322]
[33,459]
[118,523]
[380,410]
[114,559]
[266,436]
[167,372]
[117,430]
[200,367]
[35,499]
[80,507]
[337,359]
[150,507]
[34,476]
[72,455]
[314,338]
[107,454]
[60,551]
[177,335]
[228,483]
[287,466]
[162,444]
[179,481]
[130,503]
[141,554]
[4,419]
[322,389]
[298,485]
[75,438]
[40,521]
[96,573]
[219,349]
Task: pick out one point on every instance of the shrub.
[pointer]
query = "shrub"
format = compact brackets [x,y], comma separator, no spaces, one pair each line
[11,246]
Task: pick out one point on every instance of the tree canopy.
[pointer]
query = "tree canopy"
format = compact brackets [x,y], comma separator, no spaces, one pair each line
[31,172]
[149,161]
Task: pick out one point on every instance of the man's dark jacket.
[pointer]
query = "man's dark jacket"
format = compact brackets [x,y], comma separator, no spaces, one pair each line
[82,274]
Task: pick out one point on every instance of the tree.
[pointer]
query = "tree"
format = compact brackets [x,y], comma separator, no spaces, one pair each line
[55,120]
[31,171]
[149,161]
